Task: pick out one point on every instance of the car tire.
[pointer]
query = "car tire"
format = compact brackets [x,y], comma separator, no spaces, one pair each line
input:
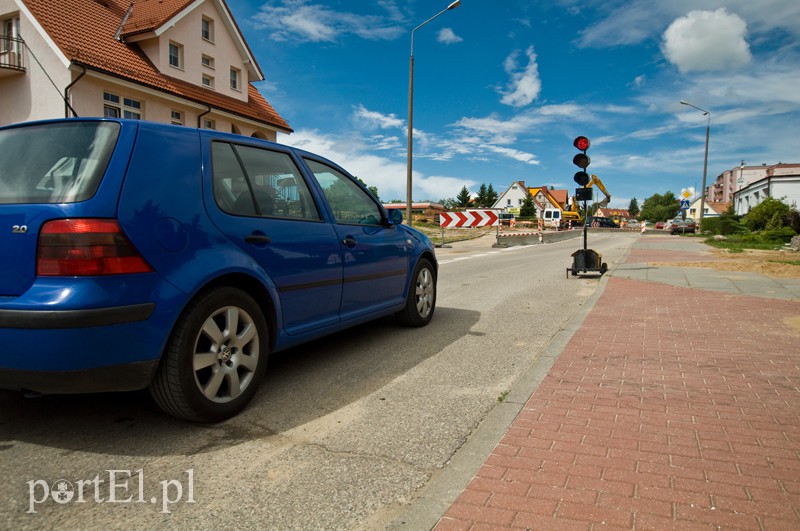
[421,299]
[215,358]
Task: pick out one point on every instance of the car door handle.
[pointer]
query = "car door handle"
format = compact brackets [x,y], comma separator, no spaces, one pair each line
[257,238]
[350,241]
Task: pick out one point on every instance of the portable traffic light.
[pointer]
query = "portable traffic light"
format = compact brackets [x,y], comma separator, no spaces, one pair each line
[582,160]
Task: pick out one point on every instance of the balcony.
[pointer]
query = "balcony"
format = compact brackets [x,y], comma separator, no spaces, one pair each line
[12,57]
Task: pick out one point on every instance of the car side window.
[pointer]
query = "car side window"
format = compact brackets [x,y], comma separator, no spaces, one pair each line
[349,202]
[251,181]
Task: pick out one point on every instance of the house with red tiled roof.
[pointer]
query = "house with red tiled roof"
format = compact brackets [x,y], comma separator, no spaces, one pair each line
[175,61]
[619,215]
[545,198]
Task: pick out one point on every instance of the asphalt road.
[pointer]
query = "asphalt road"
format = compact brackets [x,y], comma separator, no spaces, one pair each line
[346,432]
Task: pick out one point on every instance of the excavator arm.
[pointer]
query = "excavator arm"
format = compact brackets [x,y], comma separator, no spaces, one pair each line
[596,181]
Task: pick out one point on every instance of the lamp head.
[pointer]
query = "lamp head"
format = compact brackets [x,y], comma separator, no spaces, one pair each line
[454,4]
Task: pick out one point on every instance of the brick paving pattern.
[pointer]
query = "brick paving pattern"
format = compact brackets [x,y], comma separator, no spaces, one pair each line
[670,408]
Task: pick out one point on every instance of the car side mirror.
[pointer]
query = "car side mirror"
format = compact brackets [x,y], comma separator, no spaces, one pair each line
[394,217]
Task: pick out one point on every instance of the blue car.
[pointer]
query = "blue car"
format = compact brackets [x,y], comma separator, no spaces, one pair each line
[142,255]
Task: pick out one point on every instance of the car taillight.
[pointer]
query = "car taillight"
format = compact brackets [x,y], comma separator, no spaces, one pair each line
[86,247]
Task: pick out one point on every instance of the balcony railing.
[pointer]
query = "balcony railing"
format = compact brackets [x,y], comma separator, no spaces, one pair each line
[12,56]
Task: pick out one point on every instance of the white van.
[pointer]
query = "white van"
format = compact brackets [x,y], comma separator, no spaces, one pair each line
[552,218]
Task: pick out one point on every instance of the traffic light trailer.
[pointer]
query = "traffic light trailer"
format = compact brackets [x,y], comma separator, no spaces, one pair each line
[584,260]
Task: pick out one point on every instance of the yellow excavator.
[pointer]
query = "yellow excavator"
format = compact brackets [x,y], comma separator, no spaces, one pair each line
[574,214]
[596,180]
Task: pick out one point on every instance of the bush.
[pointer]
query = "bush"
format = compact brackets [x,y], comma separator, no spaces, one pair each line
[778,235]
[710,225]
[763,213]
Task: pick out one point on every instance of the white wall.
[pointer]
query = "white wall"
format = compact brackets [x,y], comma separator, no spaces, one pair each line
[31,95]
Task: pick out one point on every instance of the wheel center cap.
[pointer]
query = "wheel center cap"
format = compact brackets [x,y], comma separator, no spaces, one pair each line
[226,353]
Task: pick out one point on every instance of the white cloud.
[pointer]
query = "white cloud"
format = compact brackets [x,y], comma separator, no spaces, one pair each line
[387,174]
[521,156]
[707,41]
[525,85]
[447,36]
[634,21]
[373,119]
[298,20]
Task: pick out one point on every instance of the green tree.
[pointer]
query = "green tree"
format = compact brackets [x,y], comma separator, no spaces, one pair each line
[760,215]
[480,198]
[633,208]
[491,196]
[372,189]
[528,207]
[448,203]
[660,207]
[463,197]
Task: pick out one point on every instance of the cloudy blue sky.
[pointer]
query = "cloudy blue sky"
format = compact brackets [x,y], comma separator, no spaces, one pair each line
[502,87]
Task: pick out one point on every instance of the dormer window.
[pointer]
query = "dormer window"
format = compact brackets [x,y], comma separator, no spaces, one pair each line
[236,76]
[175,55]
[207,29]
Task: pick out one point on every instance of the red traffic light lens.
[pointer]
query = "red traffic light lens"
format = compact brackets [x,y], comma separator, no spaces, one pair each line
[582,143]
[581,160]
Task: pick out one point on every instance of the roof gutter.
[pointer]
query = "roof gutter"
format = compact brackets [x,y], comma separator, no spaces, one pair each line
[200,116]
[67,107]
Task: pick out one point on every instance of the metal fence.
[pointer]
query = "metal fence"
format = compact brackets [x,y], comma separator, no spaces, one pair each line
[12,54]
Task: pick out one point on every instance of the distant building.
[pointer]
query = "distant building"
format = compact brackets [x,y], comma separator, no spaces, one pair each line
[511,200]
[545,198]
[710,209]
[619,215]
[427,212]
[779,181]
[746,186]
[175,61]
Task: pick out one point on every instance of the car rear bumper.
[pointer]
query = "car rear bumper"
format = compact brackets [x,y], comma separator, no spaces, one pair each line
[128,377]
[57,319]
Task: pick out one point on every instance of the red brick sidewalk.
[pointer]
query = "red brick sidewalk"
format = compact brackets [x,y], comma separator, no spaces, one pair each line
[670,408]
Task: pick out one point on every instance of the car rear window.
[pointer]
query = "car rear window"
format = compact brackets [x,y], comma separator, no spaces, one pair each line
[54,163]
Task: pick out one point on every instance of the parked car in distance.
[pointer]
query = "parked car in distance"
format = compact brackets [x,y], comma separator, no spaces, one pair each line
[601,222]
[660,225]
[155,256]
[682,226]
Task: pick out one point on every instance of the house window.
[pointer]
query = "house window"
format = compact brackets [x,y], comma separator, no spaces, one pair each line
[209,124]
[508,202]
[235,75]
[116,107]
[175,55]
[208,81]
[207,29]
[176,117]
[131,109]
[10,31]
[207,61]
[111,106]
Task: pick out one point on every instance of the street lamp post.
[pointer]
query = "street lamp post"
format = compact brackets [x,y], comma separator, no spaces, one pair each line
[409,153]
[705,161]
